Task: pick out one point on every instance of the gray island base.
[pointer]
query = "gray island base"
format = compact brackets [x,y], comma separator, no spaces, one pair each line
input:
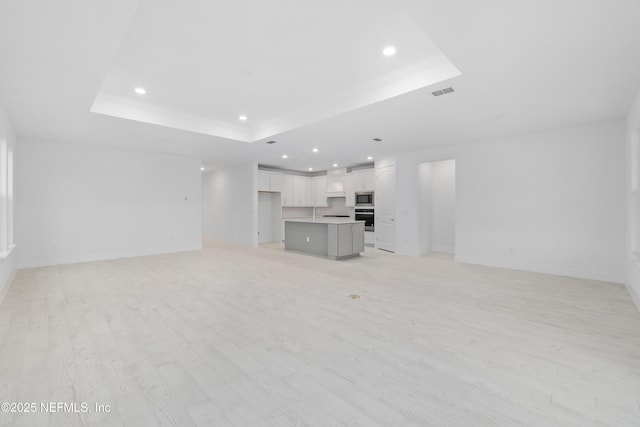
[335,239]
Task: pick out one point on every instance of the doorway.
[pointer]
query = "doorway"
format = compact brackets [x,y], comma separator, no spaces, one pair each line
[385,206]
[437,224]
[269,217]
[634,194]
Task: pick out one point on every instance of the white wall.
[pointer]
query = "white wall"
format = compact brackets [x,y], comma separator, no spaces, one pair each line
[550,201]
[8,263]
[76,202]
[444,206]
[230,205]
[425,221]
[633,202]
[438,200]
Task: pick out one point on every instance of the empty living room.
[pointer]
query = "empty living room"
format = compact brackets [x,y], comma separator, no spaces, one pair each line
[337,213]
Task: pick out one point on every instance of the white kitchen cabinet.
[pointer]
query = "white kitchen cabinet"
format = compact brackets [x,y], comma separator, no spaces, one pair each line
[358,180]
[300,190]
[370,238]
[287,190]
[270,181]
[309,199]
[346,239]
[320,191]
[364,180]
[264,181]
[277,179]
[369,179]
[335,183]
[349,191]
[297,191]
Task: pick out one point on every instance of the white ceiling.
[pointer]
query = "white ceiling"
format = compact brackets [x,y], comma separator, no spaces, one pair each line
[313,75]
[283,64]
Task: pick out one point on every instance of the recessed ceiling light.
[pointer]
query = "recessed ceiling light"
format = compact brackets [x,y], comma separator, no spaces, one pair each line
[369,158]
[202,168]
[310,169]
[389,51]
[140,90]
[315,150]
[243,118]
[284,156]
[335,165]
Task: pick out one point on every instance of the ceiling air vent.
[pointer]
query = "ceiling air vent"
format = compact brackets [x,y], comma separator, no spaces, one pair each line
[443,91]
[270,142]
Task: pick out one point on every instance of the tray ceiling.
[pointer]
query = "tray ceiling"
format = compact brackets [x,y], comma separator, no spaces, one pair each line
[282,64]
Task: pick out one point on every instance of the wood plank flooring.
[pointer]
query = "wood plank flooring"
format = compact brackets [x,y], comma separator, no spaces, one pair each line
[233,336]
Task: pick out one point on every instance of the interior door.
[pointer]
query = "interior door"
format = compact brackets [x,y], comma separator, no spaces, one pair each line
[264,217]
[385,205]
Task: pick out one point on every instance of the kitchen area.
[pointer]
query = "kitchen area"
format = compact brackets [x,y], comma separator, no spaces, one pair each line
[288,200]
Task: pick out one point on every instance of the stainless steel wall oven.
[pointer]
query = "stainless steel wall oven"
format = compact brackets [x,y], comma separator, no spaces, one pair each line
[366,215]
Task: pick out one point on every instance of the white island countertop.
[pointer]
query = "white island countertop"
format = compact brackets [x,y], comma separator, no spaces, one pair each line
[324,220]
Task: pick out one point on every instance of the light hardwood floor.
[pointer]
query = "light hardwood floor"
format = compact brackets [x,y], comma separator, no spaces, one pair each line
[248,337]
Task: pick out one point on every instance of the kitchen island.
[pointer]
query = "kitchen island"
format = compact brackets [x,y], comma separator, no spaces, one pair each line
[333,238]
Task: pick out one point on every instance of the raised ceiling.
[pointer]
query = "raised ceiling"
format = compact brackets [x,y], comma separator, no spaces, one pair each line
[311,76]
[282,64]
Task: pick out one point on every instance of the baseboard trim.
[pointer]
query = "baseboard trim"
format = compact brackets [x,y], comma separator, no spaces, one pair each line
[634,295]
[8,262]
[545,269]
[93,258]
[445,249]
[5,288]
[633,277]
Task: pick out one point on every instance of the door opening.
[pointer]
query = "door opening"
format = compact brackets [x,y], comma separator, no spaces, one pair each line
[437,225]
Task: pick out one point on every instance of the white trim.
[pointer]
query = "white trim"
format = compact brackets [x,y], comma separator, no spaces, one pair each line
[47,262]
[546,269]
[634,295]
[446,249]
[5,289]
[633,277]
[5,254]
[10,264]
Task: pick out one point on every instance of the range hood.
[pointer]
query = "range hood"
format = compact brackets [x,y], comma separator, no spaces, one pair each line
[335,189]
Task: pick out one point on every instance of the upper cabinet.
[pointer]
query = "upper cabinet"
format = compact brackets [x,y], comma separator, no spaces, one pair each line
[364,180]
[297,191]
[287,190]
[264,181]
[304,191]
[277,181]
[320,191]
[349,192]
[301,191]
[270,181]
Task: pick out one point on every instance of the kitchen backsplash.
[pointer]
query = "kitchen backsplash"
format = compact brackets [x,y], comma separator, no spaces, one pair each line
[336,207]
